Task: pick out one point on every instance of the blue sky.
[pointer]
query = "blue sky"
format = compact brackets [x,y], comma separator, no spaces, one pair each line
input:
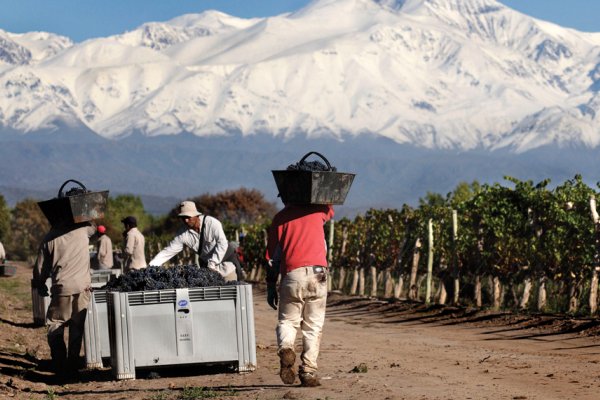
[83,19]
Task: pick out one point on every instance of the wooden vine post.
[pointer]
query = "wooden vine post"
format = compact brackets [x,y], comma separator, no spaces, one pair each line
[596,266]
[527,282]
[330,254]
[455,256]
[478,289]
[362,279]
[342,268]
[400,282]
[413,292]
[355,276]
[429,261]
[373,272]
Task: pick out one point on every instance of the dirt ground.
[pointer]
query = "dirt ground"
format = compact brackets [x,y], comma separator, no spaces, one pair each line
[371,349]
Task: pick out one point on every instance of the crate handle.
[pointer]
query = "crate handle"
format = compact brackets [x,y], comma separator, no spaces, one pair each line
[320,155]
[60,191]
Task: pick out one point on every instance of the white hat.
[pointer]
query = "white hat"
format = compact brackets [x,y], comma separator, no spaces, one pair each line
[188,209]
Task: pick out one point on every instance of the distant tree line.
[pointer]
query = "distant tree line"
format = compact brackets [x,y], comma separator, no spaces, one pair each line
[23,227]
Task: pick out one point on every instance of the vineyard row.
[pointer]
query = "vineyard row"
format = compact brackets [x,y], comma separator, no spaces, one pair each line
[520,245]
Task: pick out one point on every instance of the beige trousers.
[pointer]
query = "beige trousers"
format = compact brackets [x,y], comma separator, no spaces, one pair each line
[302,301]
[66,311]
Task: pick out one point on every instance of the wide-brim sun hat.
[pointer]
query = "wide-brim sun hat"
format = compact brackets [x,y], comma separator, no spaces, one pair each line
[188,209]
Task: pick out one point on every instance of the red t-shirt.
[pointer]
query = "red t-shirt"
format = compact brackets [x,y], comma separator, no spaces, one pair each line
[298,231]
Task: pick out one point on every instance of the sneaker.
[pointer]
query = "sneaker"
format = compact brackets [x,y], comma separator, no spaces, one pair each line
[287,373]
[309,379]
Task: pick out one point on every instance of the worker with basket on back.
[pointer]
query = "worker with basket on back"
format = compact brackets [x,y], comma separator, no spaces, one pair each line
[64,256]
[297,252]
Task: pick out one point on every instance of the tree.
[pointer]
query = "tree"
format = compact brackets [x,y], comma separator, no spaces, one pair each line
[28,228]
[237,207]
[463,192]
[432,200]
[241,206]
[4,220]
[120,207]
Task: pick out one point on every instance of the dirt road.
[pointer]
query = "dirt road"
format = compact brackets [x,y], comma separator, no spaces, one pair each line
[371,349]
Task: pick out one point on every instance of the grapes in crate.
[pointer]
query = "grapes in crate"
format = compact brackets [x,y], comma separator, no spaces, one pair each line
[160,278]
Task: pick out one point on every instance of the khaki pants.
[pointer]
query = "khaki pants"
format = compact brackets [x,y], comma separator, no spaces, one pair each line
[66,311]
[302,301]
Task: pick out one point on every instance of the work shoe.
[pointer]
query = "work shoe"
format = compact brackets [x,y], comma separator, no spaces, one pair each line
[287,373]
[309,379]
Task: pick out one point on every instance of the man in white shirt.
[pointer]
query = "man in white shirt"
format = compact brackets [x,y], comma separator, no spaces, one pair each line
[135,243]
[202,234]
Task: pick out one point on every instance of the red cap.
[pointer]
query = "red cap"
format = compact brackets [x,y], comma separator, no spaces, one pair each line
[101,229]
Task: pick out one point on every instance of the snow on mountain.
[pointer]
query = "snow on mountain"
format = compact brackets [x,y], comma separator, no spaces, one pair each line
[458,74]
[11,52]
[160,36]
[30,48]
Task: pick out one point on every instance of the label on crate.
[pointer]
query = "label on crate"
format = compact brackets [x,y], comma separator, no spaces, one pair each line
[184,327]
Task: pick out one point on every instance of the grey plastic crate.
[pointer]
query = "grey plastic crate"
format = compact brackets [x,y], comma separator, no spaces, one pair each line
[181,327]
[100,277]
[96,342]
[39,304]
[8,270]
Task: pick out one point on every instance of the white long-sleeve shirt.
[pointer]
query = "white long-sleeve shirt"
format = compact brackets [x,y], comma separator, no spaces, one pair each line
[213,248]
[134,250]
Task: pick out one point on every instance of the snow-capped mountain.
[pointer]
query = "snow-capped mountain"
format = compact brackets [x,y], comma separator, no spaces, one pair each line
[29,48]
[449,74]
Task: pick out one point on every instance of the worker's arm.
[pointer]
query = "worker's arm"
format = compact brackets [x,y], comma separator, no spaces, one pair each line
[173,248]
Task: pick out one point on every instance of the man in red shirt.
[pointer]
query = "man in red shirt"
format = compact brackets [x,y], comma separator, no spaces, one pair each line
[296,249]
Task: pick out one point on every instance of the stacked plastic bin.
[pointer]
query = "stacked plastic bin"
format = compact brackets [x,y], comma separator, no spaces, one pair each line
[181,327]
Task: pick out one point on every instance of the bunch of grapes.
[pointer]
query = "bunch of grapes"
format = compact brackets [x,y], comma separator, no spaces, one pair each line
[312,166]
[159,278]
[75,192]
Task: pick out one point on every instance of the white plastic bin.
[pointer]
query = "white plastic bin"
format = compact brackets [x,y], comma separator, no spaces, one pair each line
[181,327]
[39,304]
[96,343]
[100,277]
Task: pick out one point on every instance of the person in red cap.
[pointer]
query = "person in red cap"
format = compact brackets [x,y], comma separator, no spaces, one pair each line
[104,249]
